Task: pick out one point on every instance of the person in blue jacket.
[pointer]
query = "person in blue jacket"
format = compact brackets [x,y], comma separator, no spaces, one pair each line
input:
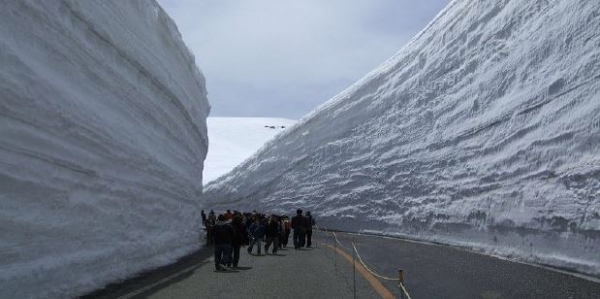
[256,233]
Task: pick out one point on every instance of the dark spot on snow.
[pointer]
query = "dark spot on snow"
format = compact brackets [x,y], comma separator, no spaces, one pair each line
[556,87]
[568,40]
[475,107]
[477,216]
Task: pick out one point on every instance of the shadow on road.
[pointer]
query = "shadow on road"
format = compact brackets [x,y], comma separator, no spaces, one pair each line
[150,277]
[226,271]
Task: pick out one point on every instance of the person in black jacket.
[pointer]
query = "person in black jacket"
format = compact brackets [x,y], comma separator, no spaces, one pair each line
[208,226]
[300,226]
[240,237]
[272,234]
[222,234]
[203,217]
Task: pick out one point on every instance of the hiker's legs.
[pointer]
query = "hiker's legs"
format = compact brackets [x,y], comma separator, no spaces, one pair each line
[218,255]
[302,240]
[226,255]
[236,254]
[297,241]
[275,244]
[252,242]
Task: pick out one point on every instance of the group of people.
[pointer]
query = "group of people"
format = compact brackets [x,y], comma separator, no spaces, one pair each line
[229,231]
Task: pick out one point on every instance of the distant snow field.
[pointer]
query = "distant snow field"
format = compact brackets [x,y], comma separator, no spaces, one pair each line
[233,139]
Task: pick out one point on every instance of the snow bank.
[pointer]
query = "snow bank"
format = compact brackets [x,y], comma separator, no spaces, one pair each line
[484,131]
[234,139]
[102,142]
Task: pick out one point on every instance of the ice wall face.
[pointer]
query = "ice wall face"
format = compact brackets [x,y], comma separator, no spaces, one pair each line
[484,132]
[102,142]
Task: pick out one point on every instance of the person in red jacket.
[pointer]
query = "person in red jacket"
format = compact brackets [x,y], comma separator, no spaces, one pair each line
[228,215]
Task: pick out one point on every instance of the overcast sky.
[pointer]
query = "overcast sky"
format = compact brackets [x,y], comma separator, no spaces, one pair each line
[283,58]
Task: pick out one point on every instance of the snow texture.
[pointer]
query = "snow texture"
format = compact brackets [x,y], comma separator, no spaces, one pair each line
[483,132]
[234,139]
[102,142]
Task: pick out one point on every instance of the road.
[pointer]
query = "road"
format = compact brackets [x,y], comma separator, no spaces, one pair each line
[431,272]
[305,273]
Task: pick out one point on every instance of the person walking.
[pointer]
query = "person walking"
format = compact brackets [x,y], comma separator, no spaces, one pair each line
[240,238]
[222,234]
[272,234]
[203,217]
[300,226]
[281,231]
[287,230]
[228,215]
[256,233]
[208,226]
[311,222]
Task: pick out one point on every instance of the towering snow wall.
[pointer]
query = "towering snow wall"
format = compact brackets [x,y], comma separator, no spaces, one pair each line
[102,143]
[484,131]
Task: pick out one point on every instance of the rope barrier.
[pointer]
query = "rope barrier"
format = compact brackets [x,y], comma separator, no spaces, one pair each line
[400,282]
[404,290]
[336,239]
[371,271]
[363,263]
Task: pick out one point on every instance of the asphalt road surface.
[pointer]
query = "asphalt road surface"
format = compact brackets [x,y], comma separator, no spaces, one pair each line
[326,271]
[306,273]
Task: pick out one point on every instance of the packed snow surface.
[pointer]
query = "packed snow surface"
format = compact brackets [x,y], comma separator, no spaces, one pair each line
[234,139]
[483,132]
[102,143]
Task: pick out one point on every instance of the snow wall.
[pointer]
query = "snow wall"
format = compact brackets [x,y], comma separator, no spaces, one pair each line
[102,144]
[483,132]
